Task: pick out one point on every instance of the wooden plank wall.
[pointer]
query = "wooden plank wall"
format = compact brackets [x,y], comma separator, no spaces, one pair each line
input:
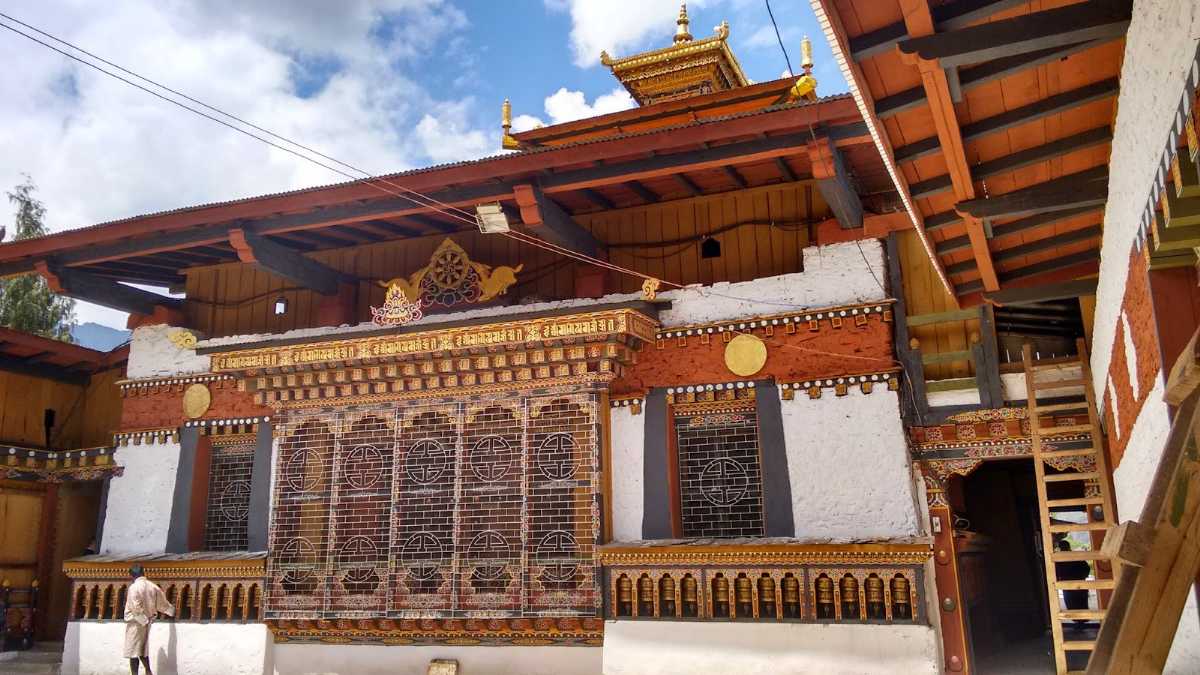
[23,399]
[924,294]
[236,299]
[20,523]
[101,409]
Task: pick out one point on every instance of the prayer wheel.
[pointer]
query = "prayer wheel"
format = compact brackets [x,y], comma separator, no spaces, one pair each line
[874,591]
[791,597]
[645,596]
[849,597]
[624,596]
[825,597]
[688,589]
[666,596]
[901,602]
[766,597]
[744,593]
[720,596]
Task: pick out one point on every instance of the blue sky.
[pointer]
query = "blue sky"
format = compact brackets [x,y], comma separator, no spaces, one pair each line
[386,85]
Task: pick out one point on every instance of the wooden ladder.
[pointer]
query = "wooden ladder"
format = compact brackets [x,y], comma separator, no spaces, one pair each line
[1093,480]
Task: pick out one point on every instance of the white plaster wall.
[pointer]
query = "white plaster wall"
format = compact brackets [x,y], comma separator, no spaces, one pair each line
[95,648]
[691,648]
[139,501]
[848,465]
[312,659]
[152,354]
[628,458]
[1159,48]
[1131,481]
[956,397]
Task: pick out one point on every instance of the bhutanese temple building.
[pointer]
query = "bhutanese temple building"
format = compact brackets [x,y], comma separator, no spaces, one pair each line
[751,378]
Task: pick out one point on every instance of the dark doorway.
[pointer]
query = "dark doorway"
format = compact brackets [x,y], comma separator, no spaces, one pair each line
[1004,587]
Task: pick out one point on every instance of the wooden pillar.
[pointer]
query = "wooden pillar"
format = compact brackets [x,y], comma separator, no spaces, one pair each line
[945,574]
[47,533]
[339,309]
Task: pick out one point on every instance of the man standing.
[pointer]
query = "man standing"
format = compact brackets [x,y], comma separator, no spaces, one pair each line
[143,602]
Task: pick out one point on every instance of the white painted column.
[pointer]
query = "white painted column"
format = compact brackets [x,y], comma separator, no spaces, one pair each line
[138,513]
[628,445]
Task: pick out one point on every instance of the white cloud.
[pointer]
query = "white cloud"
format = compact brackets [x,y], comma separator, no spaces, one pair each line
[623,26]
[565,106]
[98,149]
[526,122]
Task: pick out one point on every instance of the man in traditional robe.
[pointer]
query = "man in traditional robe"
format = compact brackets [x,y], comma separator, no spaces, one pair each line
[143,602]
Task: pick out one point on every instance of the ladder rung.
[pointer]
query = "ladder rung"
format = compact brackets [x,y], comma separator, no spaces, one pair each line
[1073,452]
[1058,384]
[1070,476]
[1082,501]
[1081,614]
[1086,584]
[1058,407]
[1071,556]
[1079,645]
[1064,429]
[1080,527]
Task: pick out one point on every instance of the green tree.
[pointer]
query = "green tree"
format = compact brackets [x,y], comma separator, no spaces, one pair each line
[26,302]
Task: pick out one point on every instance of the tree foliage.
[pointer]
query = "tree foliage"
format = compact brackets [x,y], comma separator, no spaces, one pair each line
[26,302]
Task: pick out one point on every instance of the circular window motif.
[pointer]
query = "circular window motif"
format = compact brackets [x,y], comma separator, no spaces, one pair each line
[424,554]
[235,500]
[557,553]
[305,470]
[426,461]
[556,456]
[363,467]
[492,548]
[297,551]
[491,458]
[724,482]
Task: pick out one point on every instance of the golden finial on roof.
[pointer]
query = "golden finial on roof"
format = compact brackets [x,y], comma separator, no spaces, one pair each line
[681,32]
[722,31]
[806,85]
[506,140]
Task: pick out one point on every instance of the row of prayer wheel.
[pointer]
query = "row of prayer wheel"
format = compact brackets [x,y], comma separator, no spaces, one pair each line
[834,598]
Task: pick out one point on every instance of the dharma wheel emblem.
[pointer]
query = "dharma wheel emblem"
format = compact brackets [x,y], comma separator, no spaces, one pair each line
[450,278]
[724,482]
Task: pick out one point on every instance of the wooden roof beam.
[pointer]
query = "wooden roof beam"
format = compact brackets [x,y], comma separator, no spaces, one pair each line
[1017,160]
[82,285]
[734,175]
[1035,269]
[599,200]
[432,224]
[946,17]
[785,170]
[689,186]
[982,74]
[1087,188]
[549,221]
[1005,229]
[1015,117]
[1019,35]
[644,193]
[1032,294]
[43,370]
[1036,246]
[283,262]
[919,20]
[829,168]
[389,228]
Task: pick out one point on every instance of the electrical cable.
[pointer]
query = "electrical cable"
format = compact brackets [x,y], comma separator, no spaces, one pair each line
[779,37]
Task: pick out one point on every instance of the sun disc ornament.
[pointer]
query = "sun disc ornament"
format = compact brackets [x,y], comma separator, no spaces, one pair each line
[196,400]
[745,355]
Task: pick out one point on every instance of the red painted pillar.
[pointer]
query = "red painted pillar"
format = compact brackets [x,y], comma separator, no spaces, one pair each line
[335,310]
[945,574]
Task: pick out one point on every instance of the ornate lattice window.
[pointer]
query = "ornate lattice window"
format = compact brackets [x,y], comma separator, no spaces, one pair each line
[228,509]
[437,509]
[720,469]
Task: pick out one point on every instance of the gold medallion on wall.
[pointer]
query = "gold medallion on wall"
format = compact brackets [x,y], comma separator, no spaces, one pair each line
[196,400]
[745,355]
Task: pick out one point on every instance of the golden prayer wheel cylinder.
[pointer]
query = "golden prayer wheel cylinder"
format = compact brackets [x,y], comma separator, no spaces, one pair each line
[624,596]
[645,596]
[901,606]
[688,590]
[874,591]
[824,597]
[791,597]
[720,596]
[849,597]
[666,596]
[744,593]
[766,597]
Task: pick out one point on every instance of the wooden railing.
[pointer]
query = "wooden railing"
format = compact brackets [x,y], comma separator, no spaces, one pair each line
[202,587]
[768,582]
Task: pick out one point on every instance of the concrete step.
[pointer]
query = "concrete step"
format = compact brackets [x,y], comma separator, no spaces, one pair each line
[35,656]
[15,667]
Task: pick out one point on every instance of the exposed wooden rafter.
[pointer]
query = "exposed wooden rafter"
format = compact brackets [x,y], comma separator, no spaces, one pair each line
[97,290]
[1093,20]
[829,168]
[1033,270]
[1082,189]
[946,17]
[644,193]
[919,20]
[549,221]
[284,262]
[1029,248]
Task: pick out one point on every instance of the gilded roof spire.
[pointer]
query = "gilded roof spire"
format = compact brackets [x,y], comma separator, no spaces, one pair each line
[805,88]
[506,139]
[681,32]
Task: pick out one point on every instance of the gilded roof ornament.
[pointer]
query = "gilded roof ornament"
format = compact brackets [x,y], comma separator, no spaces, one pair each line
[805,87]
[681,31]
[506,139]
